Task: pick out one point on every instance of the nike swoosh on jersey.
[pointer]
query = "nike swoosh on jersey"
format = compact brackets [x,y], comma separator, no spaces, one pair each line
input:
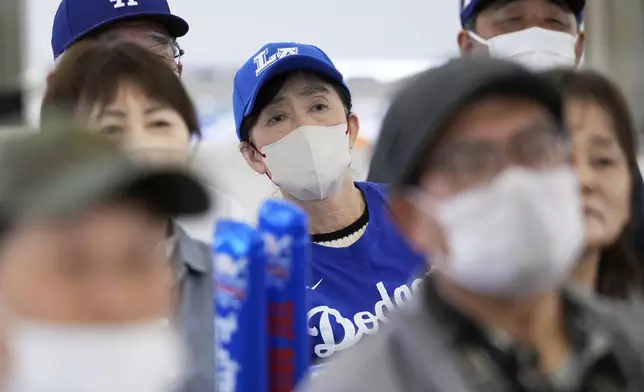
[315,286]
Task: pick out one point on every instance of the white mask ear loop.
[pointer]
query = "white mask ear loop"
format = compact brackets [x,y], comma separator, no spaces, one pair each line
[478,38]
[424,203]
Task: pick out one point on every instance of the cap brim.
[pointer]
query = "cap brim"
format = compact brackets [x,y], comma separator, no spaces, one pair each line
[292,63]
[176,26]
[169,192]
[172,192]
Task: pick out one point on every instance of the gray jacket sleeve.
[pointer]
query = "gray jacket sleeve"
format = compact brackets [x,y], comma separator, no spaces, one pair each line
[366,367]
[196,312]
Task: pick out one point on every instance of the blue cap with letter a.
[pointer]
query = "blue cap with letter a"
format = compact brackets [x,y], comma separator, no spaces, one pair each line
[75,19]
[470,8]
[271,60]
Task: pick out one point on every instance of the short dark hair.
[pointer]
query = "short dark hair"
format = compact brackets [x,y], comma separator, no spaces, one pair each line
[275,85]
[92,71]
[470,24]
[620,273]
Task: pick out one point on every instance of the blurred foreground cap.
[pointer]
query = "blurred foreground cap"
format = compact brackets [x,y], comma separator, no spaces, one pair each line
[420,111]
[58,173]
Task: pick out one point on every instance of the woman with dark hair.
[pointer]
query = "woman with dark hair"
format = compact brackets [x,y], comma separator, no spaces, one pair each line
[120,89]
[122,92]
[296,125]
[129,94]
[604,155]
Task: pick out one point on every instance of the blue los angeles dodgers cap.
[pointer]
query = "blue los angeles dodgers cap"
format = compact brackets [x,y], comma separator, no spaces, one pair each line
[271,60]
[470,8]
[77,18]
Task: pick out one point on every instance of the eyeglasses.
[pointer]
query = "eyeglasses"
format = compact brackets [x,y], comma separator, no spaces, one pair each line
[476,161]
[165,47]
[161,44]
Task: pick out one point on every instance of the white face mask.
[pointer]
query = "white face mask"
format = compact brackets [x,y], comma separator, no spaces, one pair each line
[146,357]
[311,162]
[536,48]
[519,235]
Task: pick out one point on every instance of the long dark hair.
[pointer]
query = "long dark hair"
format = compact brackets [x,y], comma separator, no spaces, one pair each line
[620,273]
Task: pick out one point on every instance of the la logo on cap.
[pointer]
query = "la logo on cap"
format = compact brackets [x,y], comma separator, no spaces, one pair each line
[263,63]
[466,3]
[122,3]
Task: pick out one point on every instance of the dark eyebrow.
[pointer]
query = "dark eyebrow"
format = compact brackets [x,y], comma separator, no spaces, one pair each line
[153,109]
[306,91]
[161,39]
[312,89]
[602,141]
[277,99]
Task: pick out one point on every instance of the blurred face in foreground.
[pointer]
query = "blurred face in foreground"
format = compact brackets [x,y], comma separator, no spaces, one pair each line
[90,299]
[107,266]
[487,208]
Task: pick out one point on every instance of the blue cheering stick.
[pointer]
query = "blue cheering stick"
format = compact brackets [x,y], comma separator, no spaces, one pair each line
[240,303]
[284,227]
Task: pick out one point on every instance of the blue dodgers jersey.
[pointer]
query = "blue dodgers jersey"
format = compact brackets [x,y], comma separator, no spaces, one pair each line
[352,289]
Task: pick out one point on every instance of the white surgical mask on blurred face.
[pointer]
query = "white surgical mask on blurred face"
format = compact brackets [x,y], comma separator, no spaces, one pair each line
[536,48]
[145,357]
[519,235]
[311,162]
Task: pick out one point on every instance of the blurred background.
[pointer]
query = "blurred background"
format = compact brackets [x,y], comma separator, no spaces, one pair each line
[375,43]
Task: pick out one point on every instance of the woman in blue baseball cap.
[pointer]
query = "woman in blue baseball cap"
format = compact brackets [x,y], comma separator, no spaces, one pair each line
[295,122]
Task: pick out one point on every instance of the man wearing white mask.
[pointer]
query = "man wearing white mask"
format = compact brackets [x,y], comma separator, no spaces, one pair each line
[86,280]
[482,182]
[539,34]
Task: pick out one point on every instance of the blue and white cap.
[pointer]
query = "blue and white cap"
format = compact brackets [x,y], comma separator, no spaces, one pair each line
[271,60]
[77,18]
[469,8]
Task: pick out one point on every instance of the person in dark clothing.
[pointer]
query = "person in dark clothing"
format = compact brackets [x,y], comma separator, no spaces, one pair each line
[478,158]
[605,156]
